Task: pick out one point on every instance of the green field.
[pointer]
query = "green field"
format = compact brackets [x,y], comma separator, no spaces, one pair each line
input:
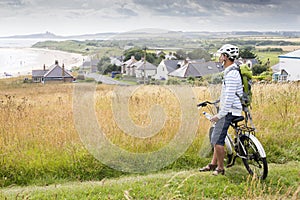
[283,183]
[264,56]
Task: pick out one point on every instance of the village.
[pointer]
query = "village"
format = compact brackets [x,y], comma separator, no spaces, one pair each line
[170,67]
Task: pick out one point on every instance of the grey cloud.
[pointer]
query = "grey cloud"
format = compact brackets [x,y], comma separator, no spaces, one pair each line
[261,2]
[14,3]
[175,8]
[127,12]
[205,8]
[73,8]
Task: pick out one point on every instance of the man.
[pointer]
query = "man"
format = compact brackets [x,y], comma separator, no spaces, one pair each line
[230,107]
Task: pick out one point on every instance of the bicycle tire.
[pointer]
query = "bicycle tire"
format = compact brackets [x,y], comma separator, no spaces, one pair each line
[255,164]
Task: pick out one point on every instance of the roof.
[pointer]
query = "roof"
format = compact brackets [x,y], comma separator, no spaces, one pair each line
[276,68]
[93,62]
[293,55]
[197,69]
[172,65]
[39,72]
[129,62]
[57,71]
[86,64]
[182,71]
[140,65]
[115,61]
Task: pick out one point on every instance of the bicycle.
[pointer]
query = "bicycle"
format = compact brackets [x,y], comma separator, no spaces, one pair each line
[244,145]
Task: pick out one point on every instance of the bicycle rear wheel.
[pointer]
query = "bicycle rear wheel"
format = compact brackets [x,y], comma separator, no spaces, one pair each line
[255,164]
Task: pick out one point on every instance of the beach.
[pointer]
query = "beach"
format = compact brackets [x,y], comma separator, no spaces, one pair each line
[22,60]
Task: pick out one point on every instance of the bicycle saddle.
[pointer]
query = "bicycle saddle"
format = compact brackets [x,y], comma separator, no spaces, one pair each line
[238,119]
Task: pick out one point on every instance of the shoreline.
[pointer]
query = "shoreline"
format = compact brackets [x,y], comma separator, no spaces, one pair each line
[16,61]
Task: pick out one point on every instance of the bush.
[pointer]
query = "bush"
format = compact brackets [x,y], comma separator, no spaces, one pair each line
[118,76]
[214,78]
[80,77]
[258,69]
[89,80]
[173,81]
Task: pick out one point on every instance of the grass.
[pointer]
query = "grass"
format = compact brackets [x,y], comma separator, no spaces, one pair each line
[42,155]
[264,56]
[186,184]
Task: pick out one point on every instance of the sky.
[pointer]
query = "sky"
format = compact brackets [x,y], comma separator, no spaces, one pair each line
[76,17]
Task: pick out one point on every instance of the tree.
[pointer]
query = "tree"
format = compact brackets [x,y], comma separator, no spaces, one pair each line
[139,53]
[199,54]
[103,64]
[180,54]
[247,53]
[110,68]
[258,69]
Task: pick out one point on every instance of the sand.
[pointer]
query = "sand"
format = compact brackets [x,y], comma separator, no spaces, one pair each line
[21,61]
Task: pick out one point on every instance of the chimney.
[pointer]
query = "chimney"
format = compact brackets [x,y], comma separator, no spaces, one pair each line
[56,62]
[44,68]
[63,72]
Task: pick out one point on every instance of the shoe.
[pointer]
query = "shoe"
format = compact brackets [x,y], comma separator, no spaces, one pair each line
[219,171]
[209,167]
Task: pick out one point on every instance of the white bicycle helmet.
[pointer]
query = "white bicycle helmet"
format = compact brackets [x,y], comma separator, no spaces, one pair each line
[231,50]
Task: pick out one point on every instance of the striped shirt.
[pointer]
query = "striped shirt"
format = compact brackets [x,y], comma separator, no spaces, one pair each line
[229,101]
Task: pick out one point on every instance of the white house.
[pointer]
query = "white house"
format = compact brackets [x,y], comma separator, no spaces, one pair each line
[289,66]
[165,67]
[144,69]
[128,67]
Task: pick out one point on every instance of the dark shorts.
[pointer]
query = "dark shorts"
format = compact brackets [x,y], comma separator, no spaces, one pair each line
[220,130]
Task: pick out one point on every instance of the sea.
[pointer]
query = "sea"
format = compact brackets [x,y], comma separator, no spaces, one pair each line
[18,58]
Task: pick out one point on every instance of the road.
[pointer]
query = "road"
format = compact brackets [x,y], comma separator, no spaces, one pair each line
[105,79]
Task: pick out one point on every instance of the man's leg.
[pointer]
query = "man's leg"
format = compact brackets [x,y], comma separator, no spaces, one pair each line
[218,139]
[220,154]
[214,159]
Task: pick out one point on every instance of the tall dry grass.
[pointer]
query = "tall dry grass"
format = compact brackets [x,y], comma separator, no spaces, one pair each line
[38,139]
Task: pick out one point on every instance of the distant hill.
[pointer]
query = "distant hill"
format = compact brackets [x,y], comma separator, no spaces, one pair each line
[154,34]
[32,36]
[49,35]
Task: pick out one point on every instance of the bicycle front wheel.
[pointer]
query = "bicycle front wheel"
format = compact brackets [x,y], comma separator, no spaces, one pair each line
[254,156]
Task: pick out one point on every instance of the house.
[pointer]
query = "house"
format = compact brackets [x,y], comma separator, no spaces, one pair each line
[160,53]
[144,69]
[170,56]
[54,74]
[289,66]
[89,65]
[116,61]
[197,69]
[128,67]
[250,62]
[278,74]
[38,75]
[165,67]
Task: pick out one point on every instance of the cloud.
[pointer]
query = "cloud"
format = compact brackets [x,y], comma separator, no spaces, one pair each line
[13,3]
[182,8]
[203,8]
[260,2]
[120,15]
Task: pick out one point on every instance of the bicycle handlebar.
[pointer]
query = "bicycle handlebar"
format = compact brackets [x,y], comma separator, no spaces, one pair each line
[203,104]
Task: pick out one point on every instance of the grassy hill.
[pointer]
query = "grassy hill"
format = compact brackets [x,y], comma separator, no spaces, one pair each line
[283,183]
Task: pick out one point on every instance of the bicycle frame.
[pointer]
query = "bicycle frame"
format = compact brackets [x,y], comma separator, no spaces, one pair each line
[244,145]
[230,144]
